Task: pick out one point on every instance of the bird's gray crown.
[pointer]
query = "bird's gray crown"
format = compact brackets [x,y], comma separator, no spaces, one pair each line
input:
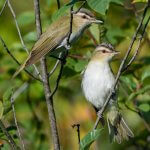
[106,45]
[87,12]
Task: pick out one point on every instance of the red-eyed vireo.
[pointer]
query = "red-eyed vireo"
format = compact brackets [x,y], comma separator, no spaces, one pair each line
[98,80]
[55,37]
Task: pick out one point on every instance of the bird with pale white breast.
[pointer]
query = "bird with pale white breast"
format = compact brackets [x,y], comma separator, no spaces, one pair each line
[54,39]
[98,80]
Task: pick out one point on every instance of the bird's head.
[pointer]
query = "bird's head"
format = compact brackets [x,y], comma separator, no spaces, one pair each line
[104,52]
[85,18]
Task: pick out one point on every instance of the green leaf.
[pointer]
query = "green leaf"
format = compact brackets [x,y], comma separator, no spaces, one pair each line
[129,81]
[76,65]
[141,91]
[74,1]
[12,129]
[30,37]
[145,74]
[89,139]
[139,1]
[68,72]
[117,1]
[16,46]
[7,95]
[71,63]
[1,110]
[80,65]
[6,100]
[101,6]
[144,107]
[26,18]
[49,3]
[113,34]
[63,10]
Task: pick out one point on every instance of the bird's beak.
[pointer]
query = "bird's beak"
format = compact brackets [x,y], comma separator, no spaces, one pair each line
[97,21]
[116,52]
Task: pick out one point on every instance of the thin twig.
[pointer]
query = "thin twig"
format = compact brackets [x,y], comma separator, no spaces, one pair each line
[78,131]
[58,78]
[20,36]
[10,139]
[138,47]
[4,5]
[71,22]
[121,68]
[65,54]
[58,4]
[54,68]
[92,37]
[46,84]
[74,12]
[16,123]
[13,57]
[17,26]
[56,64]
[20,90]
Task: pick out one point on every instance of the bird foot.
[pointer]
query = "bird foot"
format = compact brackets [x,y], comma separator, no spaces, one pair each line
[100,115]
[113,94]
[68,46]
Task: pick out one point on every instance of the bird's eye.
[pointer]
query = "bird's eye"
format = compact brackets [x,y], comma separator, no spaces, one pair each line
[84,17]
[104,51]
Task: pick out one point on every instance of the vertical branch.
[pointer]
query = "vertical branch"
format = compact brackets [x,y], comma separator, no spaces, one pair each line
[16,123]
[10,139]
[49,99]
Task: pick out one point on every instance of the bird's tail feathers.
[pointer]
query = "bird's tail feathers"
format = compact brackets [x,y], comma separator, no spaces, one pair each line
[118,129]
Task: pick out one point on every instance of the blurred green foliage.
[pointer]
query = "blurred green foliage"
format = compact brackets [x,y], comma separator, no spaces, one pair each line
[121,19]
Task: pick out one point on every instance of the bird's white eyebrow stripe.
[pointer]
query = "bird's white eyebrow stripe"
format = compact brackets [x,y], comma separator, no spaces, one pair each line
[81,14]
[103,48]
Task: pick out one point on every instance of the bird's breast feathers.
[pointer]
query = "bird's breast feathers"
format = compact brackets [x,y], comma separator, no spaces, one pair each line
[97,81]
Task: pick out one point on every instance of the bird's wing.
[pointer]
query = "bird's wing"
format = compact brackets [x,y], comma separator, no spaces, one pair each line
[49,40]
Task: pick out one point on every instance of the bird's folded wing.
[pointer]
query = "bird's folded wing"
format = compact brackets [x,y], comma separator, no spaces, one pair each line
[48,42]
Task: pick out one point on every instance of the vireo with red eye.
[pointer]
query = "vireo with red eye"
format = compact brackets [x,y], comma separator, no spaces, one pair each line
[54,39]
[98,80]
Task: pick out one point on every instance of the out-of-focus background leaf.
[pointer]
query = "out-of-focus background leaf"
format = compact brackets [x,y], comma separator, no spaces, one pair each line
[121,18]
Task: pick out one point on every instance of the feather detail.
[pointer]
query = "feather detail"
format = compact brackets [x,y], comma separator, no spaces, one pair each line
[118,129]
[49,40]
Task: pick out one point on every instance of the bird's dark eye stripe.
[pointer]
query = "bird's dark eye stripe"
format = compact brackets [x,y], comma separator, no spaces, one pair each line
[104,51]
[84,16]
